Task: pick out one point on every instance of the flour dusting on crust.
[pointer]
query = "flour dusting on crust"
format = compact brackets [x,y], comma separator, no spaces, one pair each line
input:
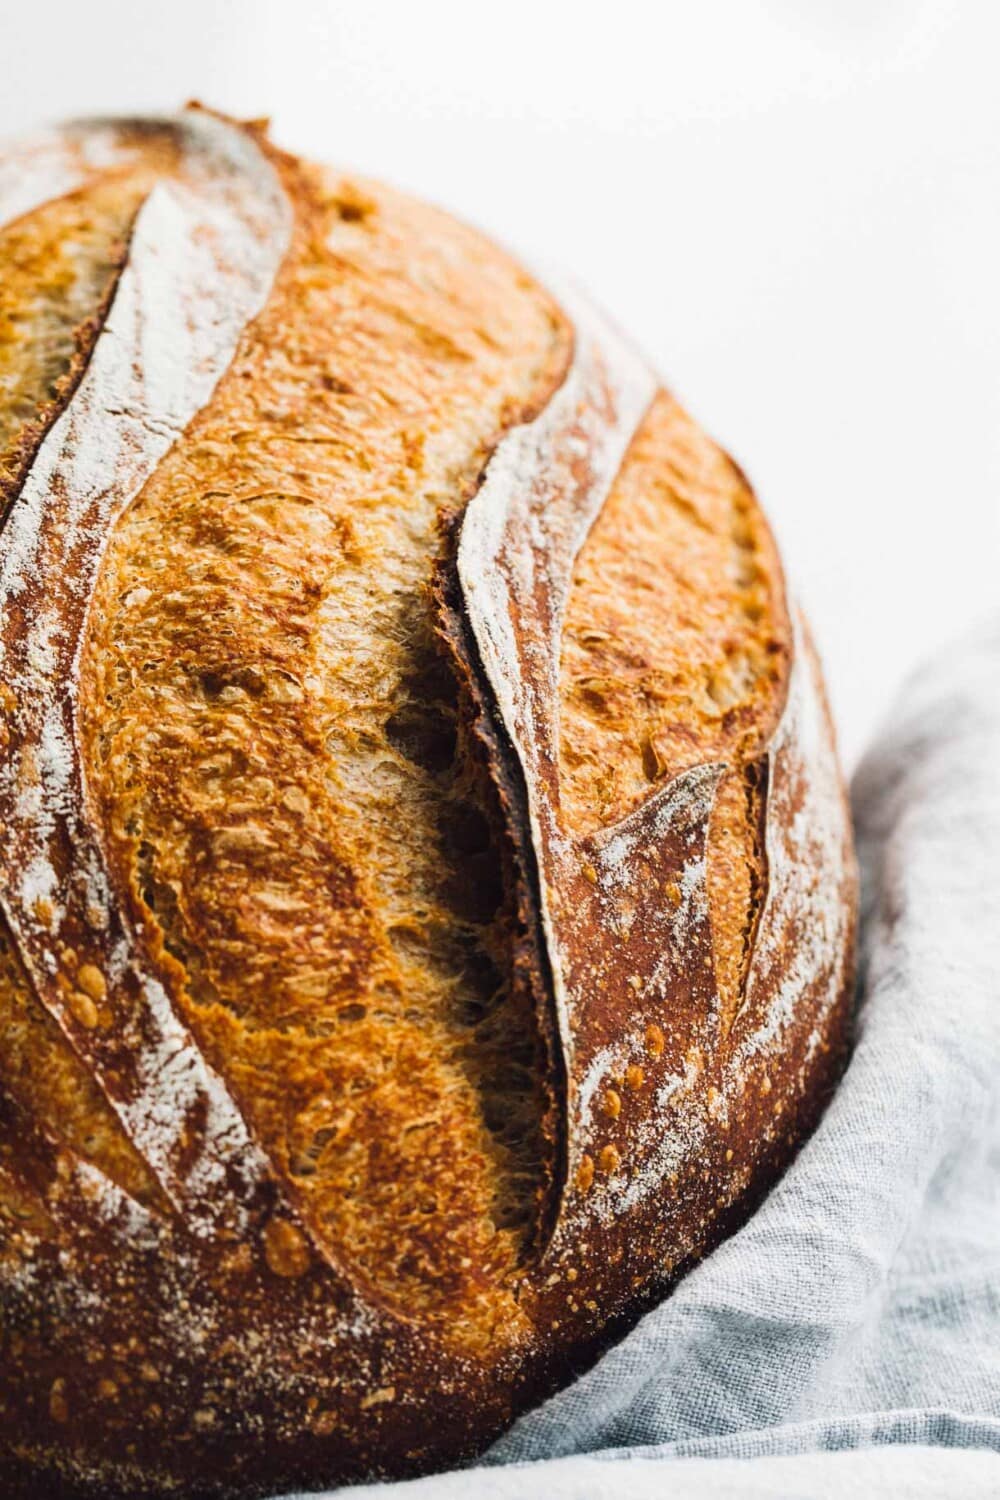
[203,256]
[625,912]
[48,166]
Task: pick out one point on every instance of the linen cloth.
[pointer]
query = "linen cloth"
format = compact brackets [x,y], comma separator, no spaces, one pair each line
[847,1339]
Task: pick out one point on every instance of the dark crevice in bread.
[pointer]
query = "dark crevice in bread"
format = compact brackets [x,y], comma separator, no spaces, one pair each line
[755,781]
[498,1046]
[528,978]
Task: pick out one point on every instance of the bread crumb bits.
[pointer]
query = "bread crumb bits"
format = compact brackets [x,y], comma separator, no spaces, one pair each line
[205,1417]
[609,1159]
[83,1009]
[379,1397]
[585,1174]
[634,1076]
[765,1087]
[612,1104]
[44,911]
[238,1262]
[90,979]
[654,1041]
[285,1249]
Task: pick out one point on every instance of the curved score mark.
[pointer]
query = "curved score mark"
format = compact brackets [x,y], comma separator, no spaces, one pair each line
[604,915]
[203,257]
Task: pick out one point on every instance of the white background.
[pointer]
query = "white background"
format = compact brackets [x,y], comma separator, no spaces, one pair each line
[793,205]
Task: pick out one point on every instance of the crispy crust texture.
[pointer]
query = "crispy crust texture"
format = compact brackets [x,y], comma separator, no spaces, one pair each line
[428,897]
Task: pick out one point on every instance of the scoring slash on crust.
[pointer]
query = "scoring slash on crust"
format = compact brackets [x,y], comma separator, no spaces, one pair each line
[203,254]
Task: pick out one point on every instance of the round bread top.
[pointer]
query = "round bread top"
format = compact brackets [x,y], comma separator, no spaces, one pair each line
[427,890]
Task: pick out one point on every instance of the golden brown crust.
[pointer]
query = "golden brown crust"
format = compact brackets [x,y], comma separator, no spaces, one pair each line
[484,1123]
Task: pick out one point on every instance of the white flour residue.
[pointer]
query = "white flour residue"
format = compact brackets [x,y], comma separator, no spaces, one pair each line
[35,171]
[117,1210]
[52,163]
[531,516]
[608,1063]
[205,249]
[678,1126]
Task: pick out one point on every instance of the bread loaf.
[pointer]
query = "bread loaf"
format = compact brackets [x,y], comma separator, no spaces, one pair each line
[428,895]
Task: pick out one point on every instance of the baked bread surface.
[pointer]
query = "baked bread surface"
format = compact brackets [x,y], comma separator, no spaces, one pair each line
[428,896]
